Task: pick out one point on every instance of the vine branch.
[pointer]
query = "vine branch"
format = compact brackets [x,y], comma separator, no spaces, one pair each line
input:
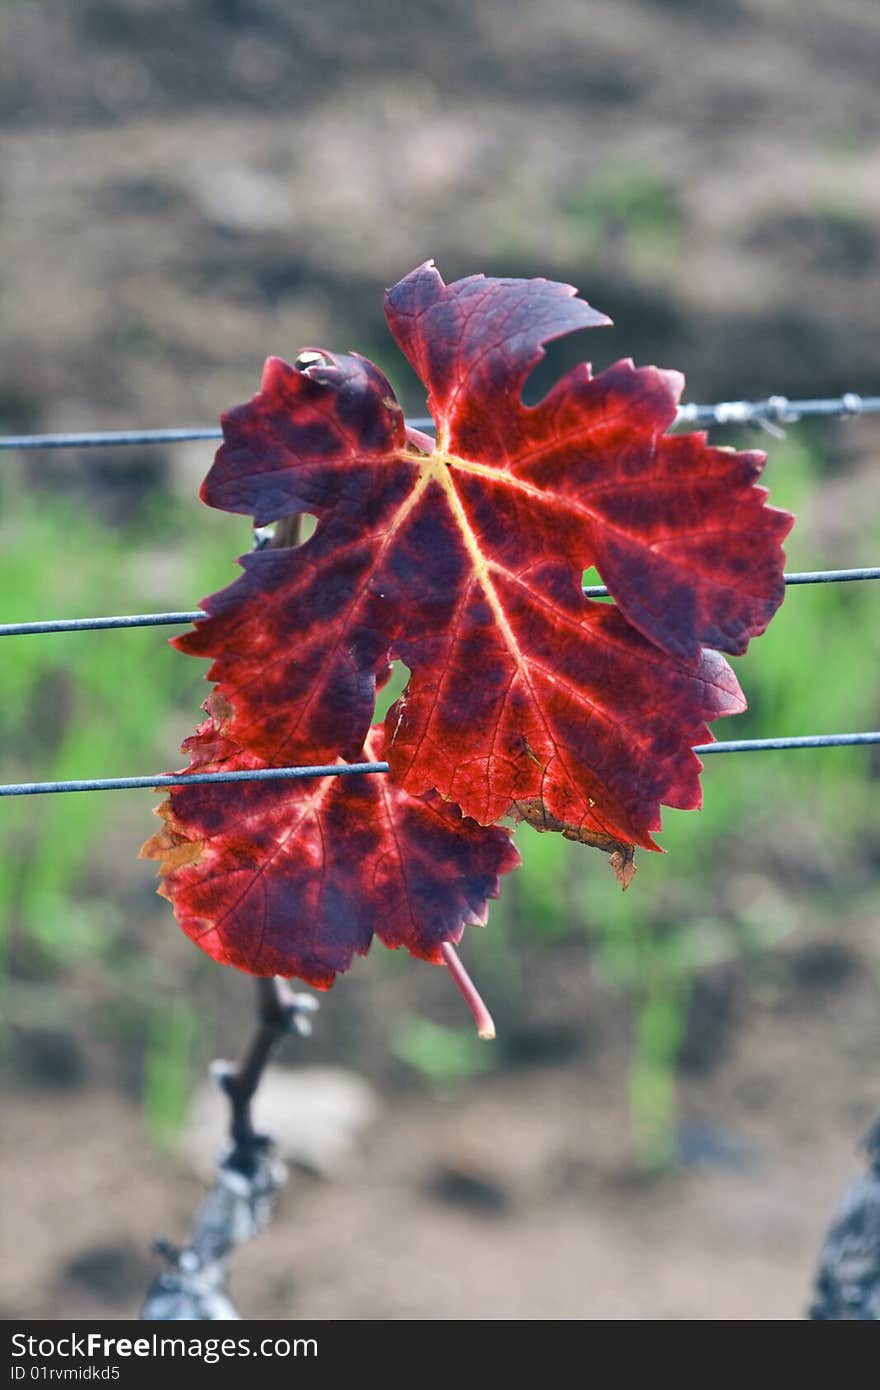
[194,1283]
[847,1285]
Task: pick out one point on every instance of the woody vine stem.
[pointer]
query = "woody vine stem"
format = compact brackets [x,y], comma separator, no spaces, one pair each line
[193,1285]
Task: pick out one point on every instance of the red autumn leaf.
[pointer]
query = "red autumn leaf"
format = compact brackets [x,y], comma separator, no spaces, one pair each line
[465,560]
[295,878]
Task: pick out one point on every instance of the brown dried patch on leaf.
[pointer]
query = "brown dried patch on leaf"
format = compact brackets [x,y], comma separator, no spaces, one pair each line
[170,846]
[621,854]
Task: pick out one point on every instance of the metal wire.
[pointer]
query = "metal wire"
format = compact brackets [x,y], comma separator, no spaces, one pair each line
[94,439]
[195,615]
[270,774]
[777,410]
[831,576]
[764,745]
[770,413]
[95,624]
[800,577]
[266,774]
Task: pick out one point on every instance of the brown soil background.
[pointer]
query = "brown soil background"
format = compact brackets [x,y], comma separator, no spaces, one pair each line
[187,187]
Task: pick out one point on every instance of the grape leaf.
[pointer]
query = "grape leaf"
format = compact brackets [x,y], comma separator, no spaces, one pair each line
[465,559]
[295,878]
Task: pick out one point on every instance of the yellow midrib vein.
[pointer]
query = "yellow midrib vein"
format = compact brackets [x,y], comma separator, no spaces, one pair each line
[440,474]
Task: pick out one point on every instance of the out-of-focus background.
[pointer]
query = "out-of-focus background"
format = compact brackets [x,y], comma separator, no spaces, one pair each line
[683,1073]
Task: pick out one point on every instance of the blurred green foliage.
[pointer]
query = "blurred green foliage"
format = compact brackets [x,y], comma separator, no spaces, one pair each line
[167,1058]
[95,704]
[442,1054]
[118,702]
[628,206]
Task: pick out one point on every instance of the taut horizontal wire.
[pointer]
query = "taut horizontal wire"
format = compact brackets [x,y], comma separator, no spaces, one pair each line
[95,439]
[800,577]
[777,410]
[195,615]
[765,745]
[265,774]
[270,774]
[774,411]
[831,576]
[96,624]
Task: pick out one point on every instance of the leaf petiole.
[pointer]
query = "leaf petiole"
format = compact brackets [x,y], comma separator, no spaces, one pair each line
[469,993]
